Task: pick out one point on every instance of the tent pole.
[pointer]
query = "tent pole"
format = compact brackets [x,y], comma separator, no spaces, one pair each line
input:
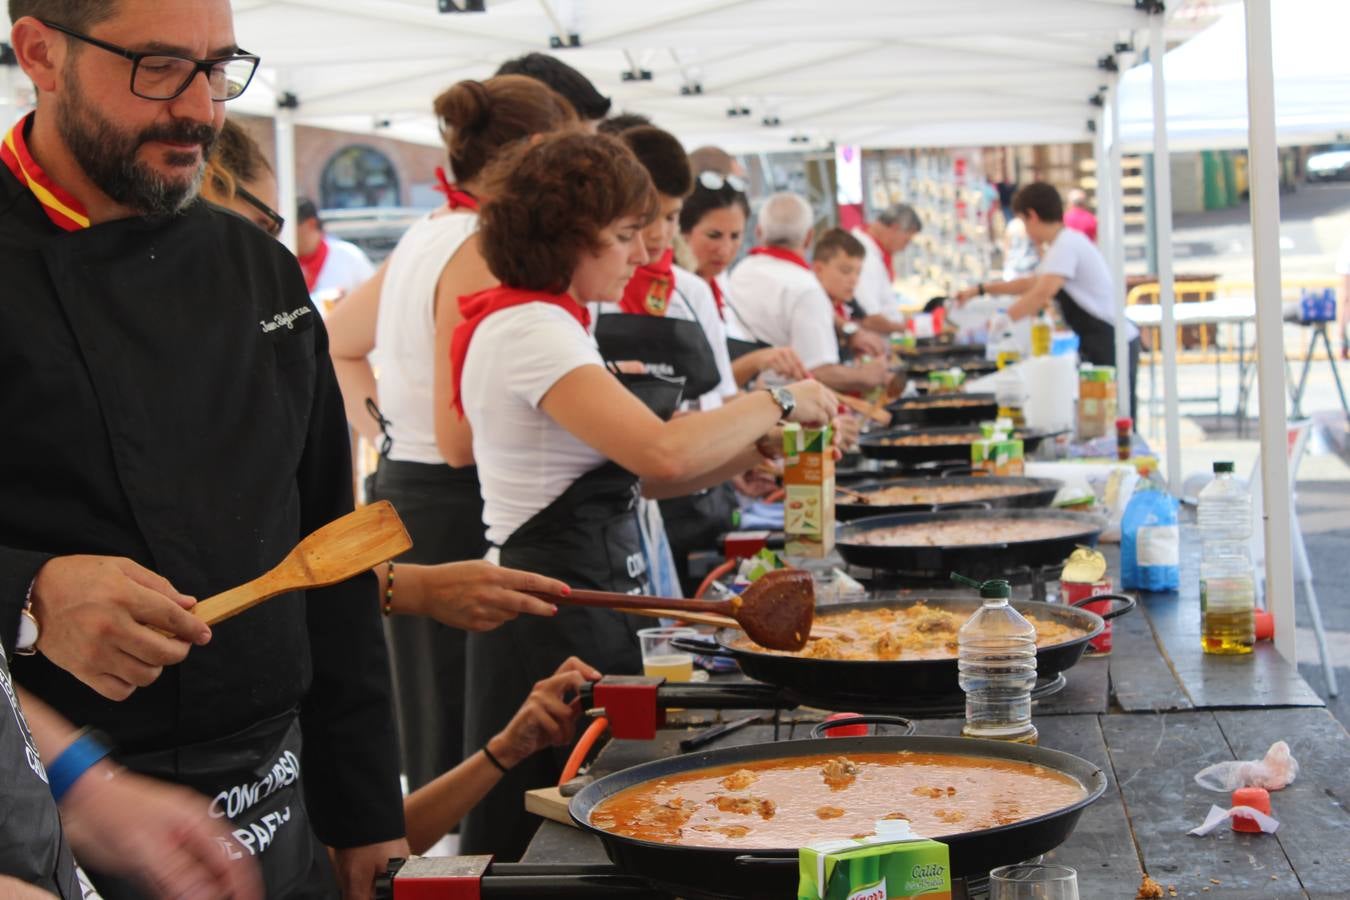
[1162,218]
[1264,175]
[1106,209]
[1117,259]
[287,195]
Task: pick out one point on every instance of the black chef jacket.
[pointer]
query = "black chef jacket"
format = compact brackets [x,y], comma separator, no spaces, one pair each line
[167,396]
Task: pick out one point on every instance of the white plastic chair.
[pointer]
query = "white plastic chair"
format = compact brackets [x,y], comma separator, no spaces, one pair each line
[1298,443]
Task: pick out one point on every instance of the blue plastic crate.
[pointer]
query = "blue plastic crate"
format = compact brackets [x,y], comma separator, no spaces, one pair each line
[1317,306]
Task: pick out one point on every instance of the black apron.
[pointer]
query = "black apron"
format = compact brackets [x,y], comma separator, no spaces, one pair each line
[587,537]
[696,521]
[258,793]
[442,508]
[1097,340]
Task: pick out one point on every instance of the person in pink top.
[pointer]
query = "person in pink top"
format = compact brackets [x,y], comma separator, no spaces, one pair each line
[1079,217]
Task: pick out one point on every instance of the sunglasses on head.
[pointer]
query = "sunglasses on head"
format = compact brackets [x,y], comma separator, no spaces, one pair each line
[715,181]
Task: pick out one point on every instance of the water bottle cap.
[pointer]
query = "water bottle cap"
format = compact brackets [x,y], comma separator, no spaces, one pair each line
[996,589]
[1222,468]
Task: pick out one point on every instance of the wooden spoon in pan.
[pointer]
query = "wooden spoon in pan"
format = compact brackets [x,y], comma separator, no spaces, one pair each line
[339,550]
[775,612]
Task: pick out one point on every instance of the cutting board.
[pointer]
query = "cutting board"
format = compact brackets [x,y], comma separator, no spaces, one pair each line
[549,803]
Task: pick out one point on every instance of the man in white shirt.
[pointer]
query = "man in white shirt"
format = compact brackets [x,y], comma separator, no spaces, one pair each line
[886,235]
[1073,272]
[333,267]
[779,301]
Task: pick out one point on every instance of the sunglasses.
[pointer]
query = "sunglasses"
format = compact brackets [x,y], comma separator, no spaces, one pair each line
[274,220]
[715,181]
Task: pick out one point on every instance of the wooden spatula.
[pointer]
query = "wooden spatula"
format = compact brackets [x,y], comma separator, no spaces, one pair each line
[817,631]
[877,414]
[344,547]
[776,611]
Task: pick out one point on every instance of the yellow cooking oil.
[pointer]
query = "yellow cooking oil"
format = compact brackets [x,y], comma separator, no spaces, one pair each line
[1228,631]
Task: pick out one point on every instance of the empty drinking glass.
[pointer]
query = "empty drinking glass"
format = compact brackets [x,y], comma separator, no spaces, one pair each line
[1028,881]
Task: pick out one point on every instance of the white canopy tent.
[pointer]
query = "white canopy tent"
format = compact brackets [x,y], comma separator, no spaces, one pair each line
[1207,82]
[881,73]
[799,73]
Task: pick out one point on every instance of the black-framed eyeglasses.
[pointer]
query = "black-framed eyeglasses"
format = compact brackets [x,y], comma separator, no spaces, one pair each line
[275,222]
[163,76]
[715,181]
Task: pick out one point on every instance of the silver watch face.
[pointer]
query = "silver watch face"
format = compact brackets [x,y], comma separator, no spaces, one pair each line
[28,632]
[783,397]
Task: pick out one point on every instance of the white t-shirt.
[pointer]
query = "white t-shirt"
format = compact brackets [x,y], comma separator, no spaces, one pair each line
[875,293]
[525,459]
[345,268]
[405,332]
[783,305]
[1073,257]
[734,329]
[692,301]
[1343,257]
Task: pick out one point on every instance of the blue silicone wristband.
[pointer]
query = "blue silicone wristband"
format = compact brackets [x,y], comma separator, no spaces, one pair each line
[74,761]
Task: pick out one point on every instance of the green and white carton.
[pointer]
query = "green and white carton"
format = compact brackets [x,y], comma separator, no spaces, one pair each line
[894,862]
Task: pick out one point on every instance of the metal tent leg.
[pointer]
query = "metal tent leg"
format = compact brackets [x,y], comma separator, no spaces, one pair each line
[1315,612]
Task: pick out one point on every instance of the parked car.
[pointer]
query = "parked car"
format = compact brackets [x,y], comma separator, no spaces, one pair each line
[374,229]
[1329,165]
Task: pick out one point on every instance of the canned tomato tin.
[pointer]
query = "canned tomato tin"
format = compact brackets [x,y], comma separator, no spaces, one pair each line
[1072,592]
[1084,576]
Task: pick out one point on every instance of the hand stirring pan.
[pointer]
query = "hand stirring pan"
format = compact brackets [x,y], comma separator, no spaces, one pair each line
[775,612]
[339,550]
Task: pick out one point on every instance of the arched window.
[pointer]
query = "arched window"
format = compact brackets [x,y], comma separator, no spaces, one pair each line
[359,176]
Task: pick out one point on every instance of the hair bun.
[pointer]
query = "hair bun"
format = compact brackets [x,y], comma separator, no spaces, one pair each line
[464,106]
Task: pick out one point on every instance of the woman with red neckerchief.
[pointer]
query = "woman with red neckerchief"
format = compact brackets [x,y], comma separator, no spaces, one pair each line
[712,224]
[402,320]
[563,447]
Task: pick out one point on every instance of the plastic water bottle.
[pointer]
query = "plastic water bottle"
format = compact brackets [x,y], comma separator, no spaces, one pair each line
[997,667]
[1227,579]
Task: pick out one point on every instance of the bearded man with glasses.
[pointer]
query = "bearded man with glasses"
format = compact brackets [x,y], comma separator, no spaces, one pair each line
[175,429]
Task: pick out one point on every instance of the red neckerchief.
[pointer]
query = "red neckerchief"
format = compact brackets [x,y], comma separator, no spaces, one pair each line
[648,291]
[718,298]
[841,310]
[62,208]
[477,307]
[454,195]
[312,265]
[885,257]
[782,253]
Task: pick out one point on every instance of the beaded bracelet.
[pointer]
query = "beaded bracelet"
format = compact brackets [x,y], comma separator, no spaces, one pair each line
[81,756]
[389,590]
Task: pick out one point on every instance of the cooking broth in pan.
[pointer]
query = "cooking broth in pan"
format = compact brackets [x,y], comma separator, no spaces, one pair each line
[970,532]
[786,803]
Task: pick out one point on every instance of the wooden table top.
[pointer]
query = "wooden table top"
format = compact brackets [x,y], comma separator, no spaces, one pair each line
[1151,714]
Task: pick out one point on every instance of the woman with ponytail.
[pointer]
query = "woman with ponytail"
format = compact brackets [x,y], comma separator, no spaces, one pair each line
[401,321]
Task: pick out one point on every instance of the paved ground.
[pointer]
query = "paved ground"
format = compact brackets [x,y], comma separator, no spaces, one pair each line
[1315,219]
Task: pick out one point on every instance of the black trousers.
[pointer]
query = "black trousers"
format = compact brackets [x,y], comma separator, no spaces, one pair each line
[443,511]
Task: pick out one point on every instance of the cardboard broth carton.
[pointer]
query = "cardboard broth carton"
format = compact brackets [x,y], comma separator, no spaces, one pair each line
[892,863]
[808,482]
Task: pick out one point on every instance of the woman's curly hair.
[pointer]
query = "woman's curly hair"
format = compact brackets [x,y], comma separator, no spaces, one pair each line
[548,202]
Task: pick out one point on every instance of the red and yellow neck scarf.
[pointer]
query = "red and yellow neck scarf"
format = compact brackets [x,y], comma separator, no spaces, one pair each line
[62,208]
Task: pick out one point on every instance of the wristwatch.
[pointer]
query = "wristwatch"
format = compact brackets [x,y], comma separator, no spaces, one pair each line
[849,329]
[783,397]
[29,631]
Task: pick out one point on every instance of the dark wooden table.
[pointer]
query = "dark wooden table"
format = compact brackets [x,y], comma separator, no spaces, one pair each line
[1152,714]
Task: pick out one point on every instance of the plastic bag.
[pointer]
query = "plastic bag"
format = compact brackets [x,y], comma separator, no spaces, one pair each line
[1278,770]
[1150,543]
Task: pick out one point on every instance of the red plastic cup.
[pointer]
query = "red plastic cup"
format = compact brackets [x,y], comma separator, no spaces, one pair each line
[1255,797]
[845,730]
[1073,592]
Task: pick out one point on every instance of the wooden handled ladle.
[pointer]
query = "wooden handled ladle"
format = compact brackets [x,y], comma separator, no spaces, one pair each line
[775,612]
[339,550]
